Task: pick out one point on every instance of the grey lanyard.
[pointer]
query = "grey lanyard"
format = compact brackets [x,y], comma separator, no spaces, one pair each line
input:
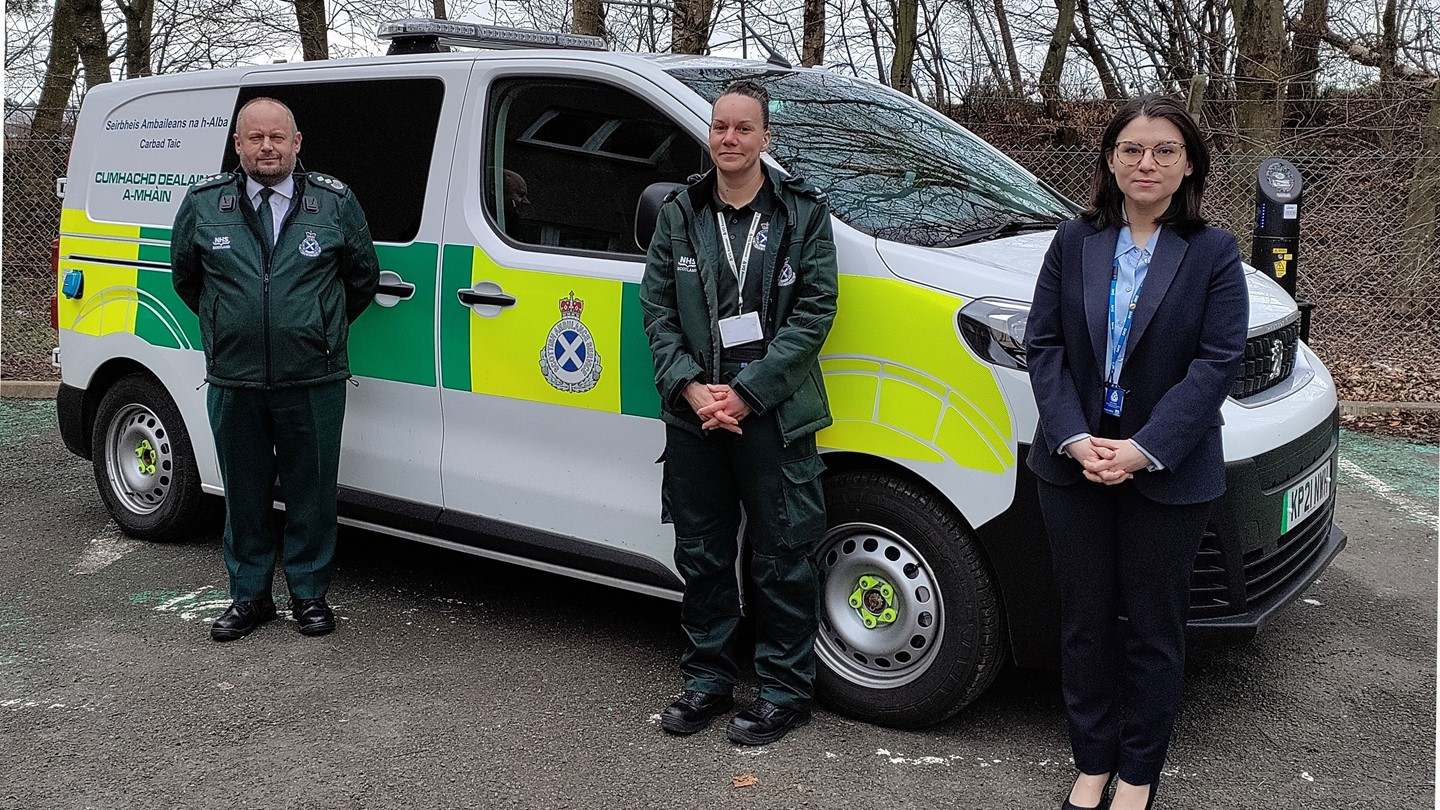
[744,267]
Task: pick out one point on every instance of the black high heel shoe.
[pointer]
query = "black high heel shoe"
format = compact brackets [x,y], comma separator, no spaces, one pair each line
[1104,795]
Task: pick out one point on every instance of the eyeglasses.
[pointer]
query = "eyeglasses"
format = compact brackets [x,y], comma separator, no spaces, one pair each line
[1165,154]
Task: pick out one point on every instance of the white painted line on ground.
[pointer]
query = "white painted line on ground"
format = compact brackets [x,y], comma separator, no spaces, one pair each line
[103,549]
[191,605]
[1390,495]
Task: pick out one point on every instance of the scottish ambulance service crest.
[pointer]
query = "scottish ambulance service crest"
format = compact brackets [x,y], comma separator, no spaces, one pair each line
[569,360]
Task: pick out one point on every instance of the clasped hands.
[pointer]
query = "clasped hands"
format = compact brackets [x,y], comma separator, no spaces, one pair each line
[1107,461]
[718,406]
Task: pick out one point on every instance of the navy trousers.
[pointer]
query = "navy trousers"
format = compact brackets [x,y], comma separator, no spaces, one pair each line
[1123,565]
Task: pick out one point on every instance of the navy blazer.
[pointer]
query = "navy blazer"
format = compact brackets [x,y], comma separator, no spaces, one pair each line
[1186,344]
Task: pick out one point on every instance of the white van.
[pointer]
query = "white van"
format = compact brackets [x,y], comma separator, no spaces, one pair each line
[505,403]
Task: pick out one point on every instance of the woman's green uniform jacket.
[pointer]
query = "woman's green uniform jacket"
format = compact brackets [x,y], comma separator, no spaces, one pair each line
[678,296]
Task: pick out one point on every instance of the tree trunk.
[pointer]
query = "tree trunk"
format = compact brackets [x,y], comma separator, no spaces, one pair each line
[907,16]
[1419,283]
[874,28]
[590,17]
[59,74]
[1305,62]
[1055,56]
[139,23]
[690,30]
[1017,84]
[1390,91]
[812,50]
[439,10]
[1098,57]
[1002,84]
[91,42]
[1259,92]
[314,29]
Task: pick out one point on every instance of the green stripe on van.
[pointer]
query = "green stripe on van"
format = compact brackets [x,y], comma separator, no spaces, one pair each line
[161,234]
[455,320]
[154,253]
[161,318]
[638,396]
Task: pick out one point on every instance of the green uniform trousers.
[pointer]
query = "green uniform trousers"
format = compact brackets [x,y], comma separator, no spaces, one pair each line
[707,478]
[297,431]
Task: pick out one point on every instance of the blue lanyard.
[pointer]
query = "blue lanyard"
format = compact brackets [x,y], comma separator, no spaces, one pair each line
[1111,373]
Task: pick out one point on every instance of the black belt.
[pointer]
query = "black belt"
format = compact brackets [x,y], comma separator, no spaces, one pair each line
[748,353]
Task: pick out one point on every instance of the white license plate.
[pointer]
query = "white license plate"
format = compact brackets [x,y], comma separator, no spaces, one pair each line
[1304,498]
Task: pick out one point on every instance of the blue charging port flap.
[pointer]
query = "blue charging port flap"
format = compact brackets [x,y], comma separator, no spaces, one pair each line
[73,284]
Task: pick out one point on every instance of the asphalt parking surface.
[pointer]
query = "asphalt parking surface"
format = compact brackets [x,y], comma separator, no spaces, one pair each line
[454,681]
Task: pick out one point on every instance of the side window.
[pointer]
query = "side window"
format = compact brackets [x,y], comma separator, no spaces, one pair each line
[377,136]
[566,161]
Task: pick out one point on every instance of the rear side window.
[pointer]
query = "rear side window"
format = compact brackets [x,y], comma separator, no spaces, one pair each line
[376,136]
[566,161]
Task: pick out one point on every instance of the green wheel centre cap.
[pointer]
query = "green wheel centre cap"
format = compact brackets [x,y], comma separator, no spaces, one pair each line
[874,600]
[145,457]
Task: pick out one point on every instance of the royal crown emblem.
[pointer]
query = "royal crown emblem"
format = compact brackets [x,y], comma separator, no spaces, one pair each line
[569,360]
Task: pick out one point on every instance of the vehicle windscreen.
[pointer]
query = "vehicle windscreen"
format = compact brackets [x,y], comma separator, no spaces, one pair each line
[890,166]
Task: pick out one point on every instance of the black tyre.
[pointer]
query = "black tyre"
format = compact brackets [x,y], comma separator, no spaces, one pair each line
[144,464]
[910,624]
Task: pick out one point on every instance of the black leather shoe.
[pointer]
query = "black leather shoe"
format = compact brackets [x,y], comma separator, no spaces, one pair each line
[694,711]
[313,616]
[240,618]
[762,723]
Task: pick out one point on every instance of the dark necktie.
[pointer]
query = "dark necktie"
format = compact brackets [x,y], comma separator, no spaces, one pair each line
[267,216]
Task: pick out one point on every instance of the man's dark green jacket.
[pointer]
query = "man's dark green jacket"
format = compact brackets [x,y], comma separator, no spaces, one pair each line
[273,317]
[678,296]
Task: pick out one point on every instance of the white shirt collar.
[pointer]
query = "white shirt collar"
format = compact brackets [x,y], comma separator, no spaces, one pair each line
[285,188]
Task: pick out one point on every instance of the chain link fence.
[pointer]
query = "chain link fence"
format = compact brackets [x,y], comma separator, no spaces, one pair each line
[31,224]
[1377,306]
[1376,321]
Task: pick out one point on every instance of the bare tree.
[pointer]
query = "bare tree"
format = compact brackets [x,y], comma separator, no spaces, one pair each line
[1259,88]
[813,51]
[1089,42]
[906,16]
[1012,63]
[314,29]
[690,26]
[589,17]
[1418,279]
[91,41]
[1307,32]
[139,26]
[1055,55]
[59,73]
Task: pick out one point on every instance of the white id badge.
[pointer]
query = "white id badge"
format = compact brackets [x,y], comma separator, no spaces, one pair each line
[740,330]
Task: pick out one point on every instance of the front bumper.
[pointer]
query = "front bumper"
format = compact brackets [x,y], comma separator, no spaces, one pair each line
[1246,572]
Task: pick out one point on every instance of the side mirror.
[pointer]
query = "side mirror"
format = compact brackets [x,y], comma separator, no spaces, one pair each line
[647,211]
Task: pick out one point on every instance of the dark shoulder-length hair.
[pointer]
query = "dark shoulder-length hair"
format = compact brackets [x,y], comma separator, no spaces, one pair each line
[1107,202]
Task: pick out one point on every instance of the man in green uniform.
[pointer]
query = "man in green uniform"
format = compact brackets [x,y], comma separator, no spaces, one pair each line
[276,264]
[738,295]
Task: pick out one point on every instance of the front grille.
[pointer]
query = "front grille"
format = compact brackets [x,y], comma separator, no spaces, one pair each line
[1267,570]
[1213,589]
[1269,361]
[1210,593]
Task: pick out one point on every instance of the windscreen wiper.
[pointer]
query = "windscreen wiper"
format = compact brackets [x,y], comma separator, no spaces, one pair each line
[1008,227]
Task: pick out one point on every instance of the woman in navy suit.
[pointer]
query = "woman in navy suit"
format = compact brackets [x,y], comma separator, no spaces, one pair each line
[1136,333]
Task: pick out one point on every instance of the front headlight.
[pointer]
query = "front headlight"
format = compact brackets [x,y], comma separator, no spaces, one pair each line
[995,330]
